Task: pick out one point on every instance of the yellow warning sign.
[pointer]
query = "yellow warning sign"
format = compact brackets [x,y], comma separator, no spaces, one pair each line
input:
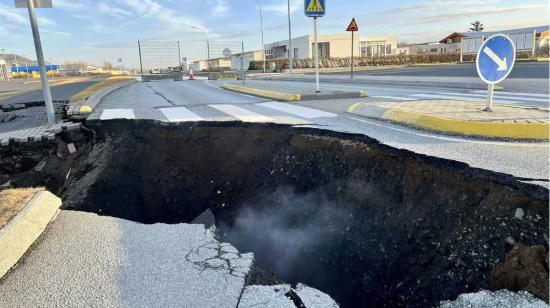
[353,27]
[315,6]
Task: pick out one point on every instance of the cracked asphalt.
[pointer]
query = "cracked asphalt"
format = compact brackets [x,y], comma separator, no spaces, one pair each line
[86,260]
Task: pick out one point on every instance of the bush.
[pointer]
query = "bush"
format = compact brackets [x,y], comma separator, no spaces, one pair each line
[281,64]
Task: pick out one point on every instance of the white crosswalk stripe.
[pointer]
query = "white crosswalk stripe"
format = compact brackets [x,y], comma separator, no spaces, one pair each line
[180,114]
[302,112]
[110,114]
[241,113]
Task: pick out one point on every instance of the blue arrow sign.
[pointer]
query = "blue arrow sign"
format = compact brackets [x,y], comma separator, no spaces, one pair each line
[496,58]
[314,8]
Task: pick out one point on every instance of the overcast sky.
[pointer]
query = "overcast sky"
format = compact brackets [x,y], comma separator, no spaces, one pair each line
[99,30]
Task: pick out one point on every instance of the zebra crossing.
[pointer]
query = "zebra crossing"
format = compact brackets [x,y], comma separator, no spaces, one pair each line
[269,112]
[511,98]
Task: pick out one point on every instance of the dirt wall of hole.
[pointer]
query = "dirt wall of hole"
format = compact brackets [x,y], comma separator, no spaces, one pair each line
[364,222]
[397,228]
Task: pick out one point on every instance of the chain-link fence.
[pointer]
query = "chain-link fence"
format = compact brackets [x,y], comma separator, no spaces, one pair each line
[158,56]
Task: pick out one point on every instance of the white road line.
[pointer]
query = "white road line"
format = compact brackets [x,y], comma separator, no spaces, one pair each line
[464,140]
[180,114]
[499,96]
[302,112]
[472,99]
[515,94]
[397,98]
[109,114]
[242,114]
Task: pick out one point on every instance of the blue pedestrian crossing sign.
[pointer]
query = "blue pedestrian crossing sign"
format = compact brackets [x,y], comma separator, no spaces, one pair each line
[496,58]
[314,8]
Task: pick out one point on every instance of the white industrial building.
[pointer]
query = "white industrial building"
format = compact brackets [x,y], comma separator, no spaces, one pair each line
[336,46]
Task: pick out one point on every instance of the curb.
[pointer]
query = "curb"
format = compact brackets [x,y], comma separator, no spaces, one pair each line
[23,230]
[522,131]
[289,97]
[417,83]
[84,108]
[263,93]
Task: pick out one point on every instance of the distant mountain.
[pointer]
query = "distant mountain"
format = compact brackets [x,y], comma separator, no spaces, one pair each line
[12,59]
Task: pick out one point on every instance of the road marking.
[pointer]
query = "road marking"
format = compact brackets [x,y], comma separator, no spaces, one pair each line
[242,114]
[464,140]
[397,98]
[515,94]
[302,112]
[499,96]
[472,99]
[110,114]
[180,114]
[501,63]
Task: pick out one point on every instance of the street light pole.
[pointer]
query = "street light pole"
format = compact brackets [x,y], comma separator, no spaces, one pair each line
[290,56]
[41,65]
[6,65]
[262,30]
[207,46]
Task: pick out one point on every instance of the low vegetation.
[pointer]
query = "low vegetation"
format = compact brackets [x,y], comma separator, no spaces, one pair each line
[98,86]
[14,200]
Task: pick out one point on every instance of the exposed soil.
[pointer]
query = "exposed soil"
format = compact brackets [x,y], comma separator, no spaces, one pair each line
[361,221]
[525,268]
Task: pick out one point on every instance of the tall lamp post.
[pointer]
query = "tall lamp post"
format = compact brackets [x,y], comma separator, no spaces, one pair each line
[262,30]
[207,46]
[290,55]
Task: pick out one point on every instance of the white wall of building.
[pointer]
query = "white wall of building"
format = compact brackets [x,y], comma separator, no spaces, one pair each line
[340,45]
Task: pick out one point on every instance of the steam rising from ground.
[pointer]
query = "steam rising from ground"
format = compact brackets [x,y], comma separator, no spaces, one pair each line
[283,227]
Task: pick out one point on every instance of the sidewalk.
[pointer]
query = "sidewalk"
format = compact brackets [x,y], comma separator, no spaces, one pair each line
[461,118]
[284,92]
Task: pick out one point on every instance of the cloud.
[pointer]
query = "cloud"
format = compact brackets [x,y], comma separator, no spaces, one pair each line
[220,9]
[113,10]
[57,33]
[11,14]
[169,20]
[281,7]
[70,5]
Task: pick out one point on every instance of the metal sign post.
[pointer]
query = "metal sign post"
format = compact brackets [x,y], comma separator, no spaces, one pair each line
[315,8]
[495,61]
[30,4]
[352,28]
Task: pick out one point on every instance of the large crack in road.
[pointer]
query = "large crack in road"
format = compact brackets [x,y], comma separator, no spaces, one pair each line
[364,222]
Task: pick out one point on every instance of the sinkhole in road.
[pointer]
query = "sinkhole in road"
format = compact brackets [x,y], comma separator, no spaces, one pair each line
[364,222]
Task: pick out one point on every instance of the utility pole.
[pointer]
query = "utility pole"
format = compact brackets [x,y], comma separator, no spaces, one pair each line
[318,88]
[262,31]
[16,64]
[290,56]
[7,73]
[140,60]
[179,56]
[207,47]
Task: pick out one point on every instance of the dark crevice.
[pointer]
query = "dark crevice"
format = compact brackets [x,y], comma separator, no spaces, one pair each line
[366,223]
[295,299]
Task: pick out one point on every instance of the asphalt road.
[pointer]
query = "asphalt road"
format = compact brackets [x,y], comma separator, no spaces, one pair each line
[535,70]
[59,93]
[204,101]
